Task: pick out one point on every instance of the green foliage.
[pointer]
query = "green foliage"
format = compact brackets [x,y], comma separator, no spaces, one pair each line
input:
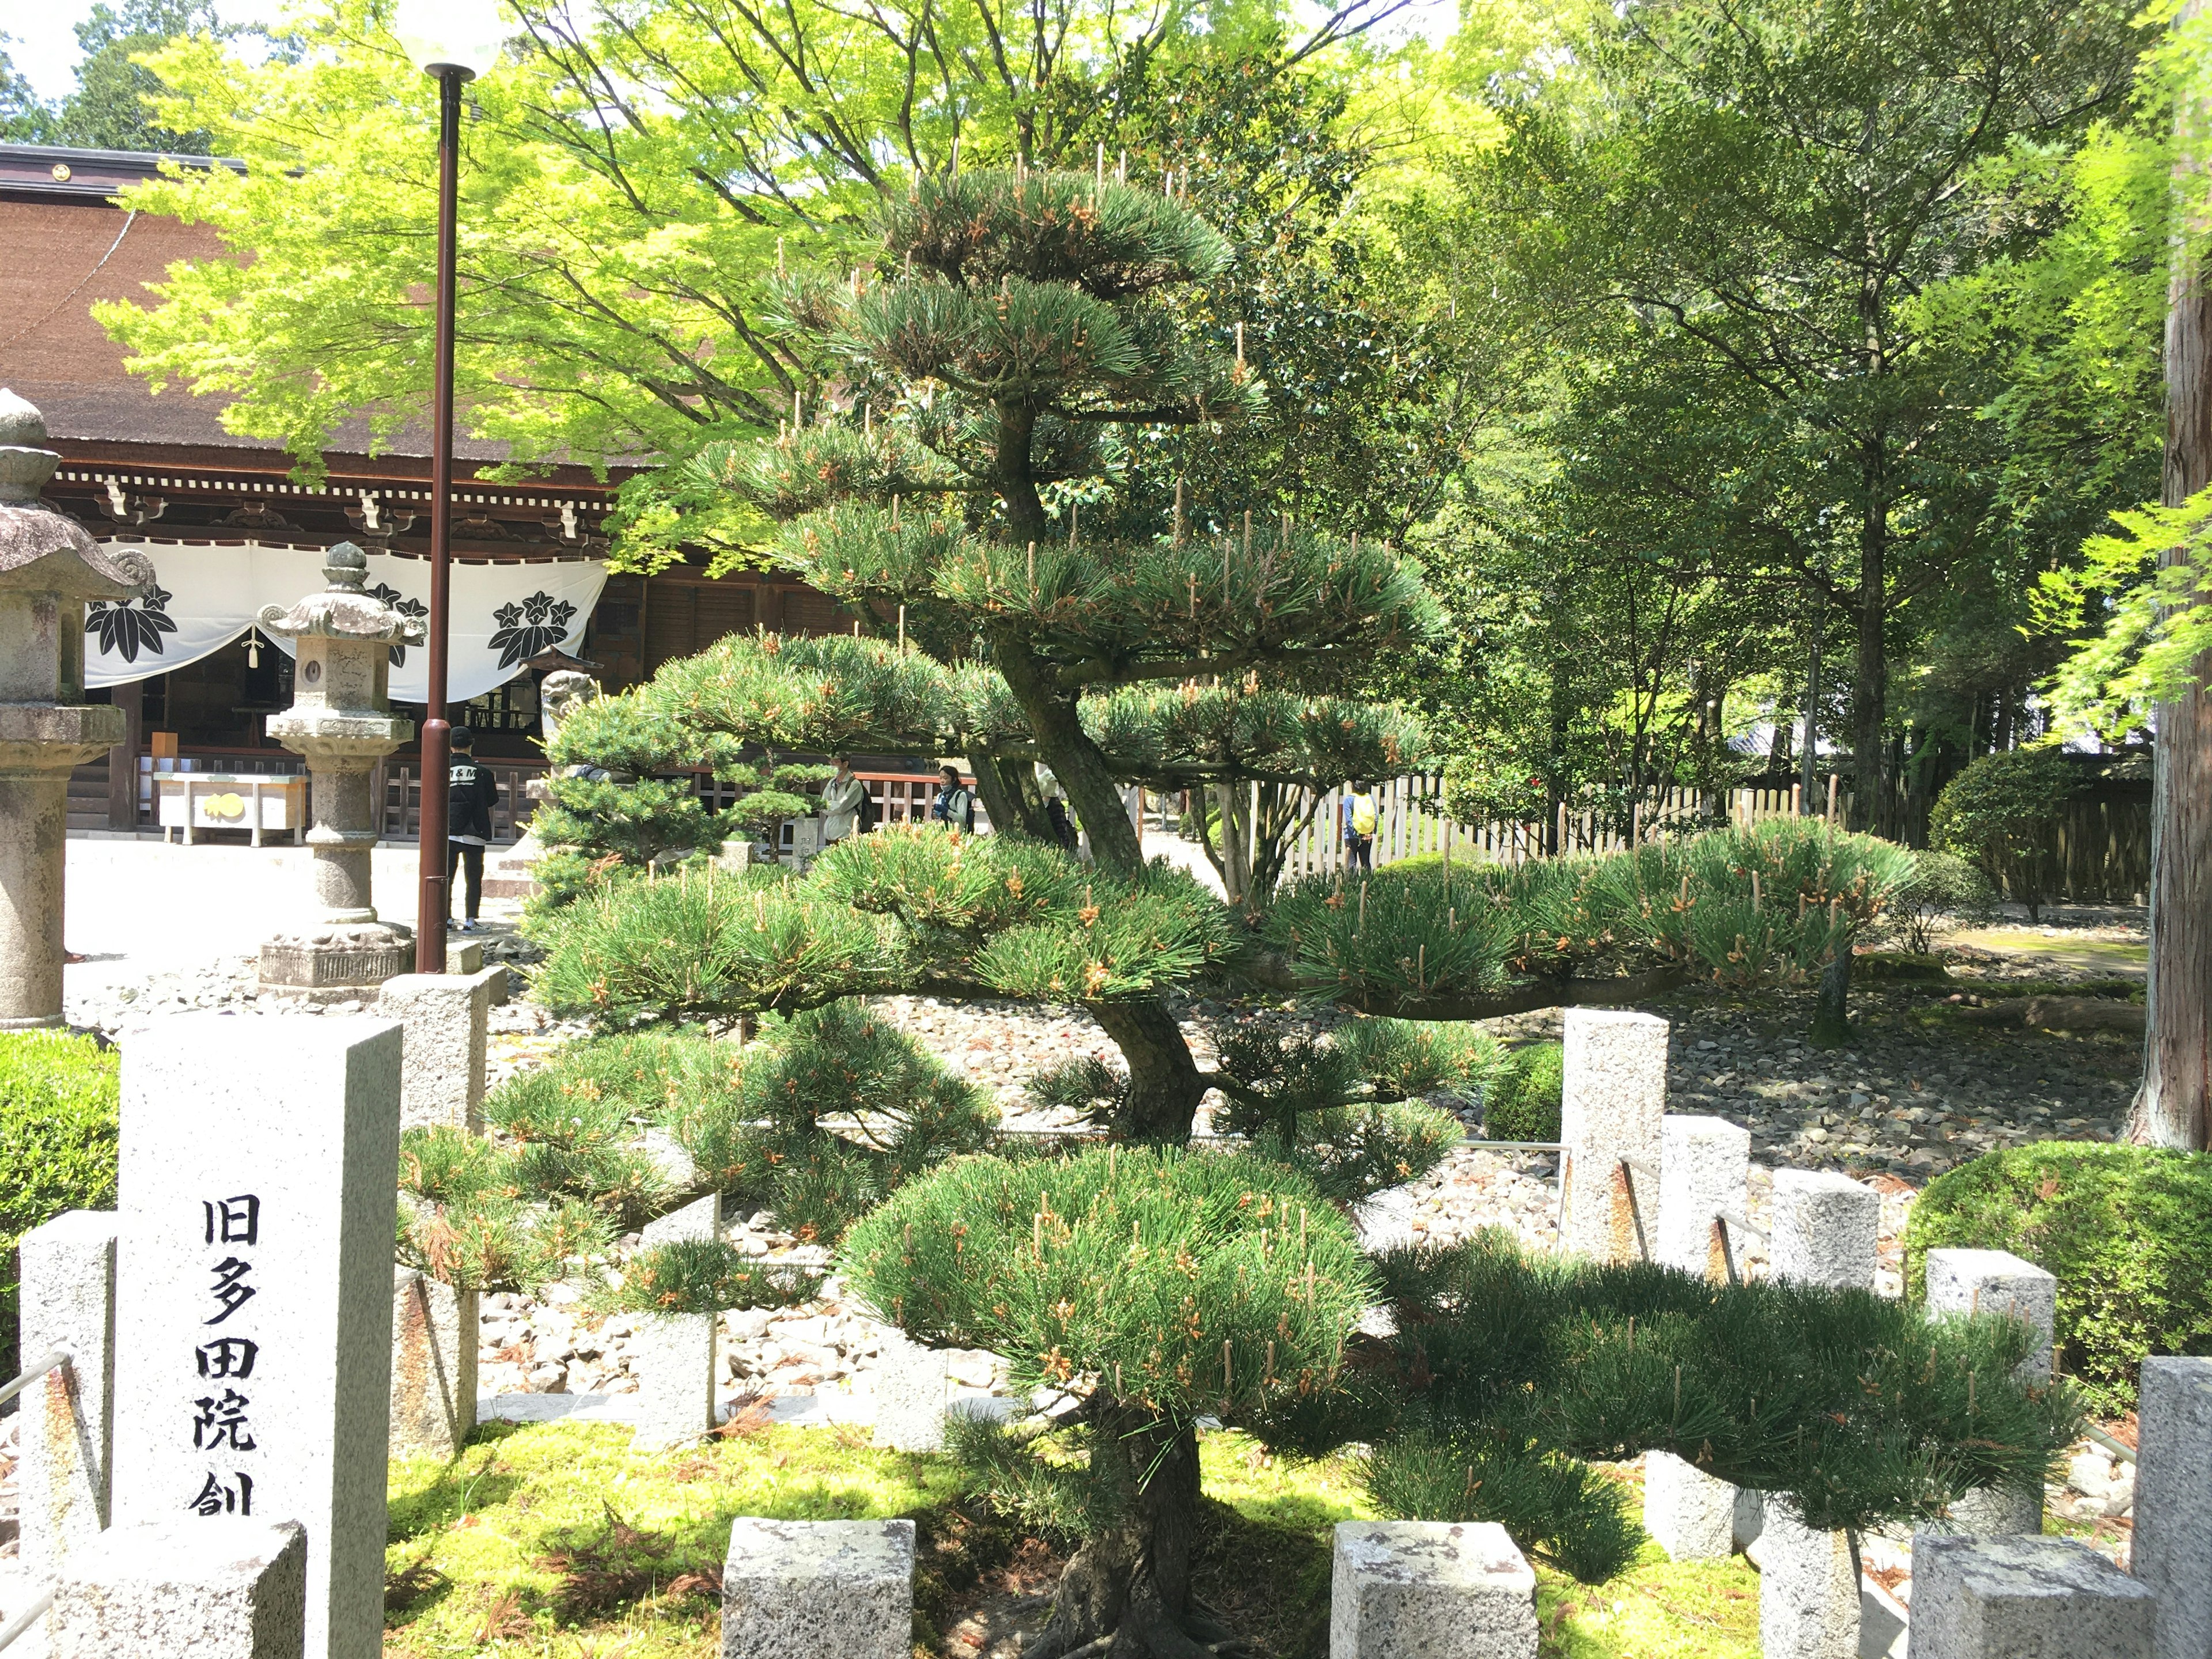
[950,892]
[1126,939]
[1130,1268]
[1999,813]
[702,1276]
[1522,1102]
[1942,887]
[574,1140]
[1858,1409]
[1736,907]
[725,944]
[2125,1230]
[472,1216]
[58,1139]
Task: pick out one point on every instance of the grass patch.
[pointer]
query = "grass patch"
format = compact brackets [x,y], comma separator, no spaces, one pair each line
[554,1540]
[2107,953]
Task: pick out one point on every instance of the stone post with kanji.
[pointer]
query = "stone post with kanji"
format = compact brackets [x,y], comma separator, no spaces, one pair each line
[50,569]
[341,722]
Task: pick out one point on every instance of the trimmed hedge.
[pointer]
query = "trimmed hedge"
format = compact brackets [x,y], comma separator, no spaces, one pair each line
[2126,1230]
[58,1133]
[1522,1102]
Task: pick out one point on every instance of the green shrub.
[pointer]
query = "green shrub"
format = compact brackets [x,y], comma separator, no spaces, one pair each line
[1998,815]
[58,1132]
[1522,1101]
[2126,1230]
[1941,887]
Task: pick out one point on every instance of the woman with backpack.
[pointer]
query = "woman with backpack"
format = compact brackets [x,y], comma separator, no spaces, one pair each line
[845,805]
[1362,813]
[956,802]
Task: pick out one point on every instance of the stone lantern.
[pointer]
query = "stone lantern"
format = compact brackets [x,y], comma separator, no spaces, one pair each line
[341,722]
[50,568]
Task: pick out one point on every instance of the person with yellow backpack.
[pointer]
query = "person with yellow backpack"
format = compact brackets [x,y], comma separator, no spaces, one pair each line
[1362,813]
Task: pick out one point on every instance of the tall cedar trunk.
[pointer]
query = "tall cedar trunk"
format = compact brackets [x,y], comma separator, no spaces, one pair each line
[1871,671]
[2171,1107]
[1808,758]
[1165,1084]
[1126,1594]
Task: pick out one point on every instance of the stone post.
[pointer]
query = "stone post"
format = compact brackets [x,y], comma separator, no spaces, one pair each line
[1613,1096]
[702,1218]
[185,1590]
[1826,1229]
[911,1384]
[258,1181]
[67,1436]
[49,570]
[341,722]
[2173,1501]
[442,1078]
[1998,1282]
[1452,1589]
[1704,1170]
[674,1357]
[807,1589]
[1808,1589]
[434,1366]
[2004,1598]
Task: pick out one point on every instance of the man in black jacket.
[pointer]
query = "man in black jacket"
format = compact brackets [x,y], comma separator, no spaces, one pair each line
[471,790]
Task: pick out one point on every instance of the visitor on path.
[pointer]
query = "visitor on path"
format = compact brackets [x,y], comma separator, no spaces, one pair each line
[956,802]
[469,791]
[1361,814]
[1055,812]
[844,804]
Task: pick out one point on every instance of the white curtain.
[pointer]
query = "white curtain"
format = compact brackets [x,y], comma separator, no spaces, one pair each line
[205,597]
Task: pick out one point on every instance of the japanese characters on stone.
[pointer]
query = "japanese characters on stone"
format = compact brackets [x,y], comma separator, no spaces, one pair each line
[222,1425]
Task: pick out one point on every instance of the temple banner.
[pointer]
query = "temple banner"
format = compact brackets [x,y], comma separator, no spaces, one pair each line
[206,597]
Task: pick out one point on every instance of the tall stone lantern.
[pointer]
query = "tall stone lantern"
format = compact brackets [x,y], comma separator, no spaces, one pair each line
[341,722]
[49,568]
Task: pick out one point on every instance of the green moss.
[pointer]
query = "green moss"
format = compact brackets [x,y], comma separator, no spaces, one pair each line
[1522,1102]
[555,1539]
[57,1133]
[2126,1230]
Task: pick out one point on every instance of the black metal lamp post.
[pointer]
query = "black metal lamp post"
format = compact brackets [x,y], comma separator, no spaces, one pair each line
[455,40]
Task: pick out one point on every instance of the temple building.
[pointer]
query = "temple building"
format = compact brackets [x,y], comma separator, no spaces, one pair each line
[227,530]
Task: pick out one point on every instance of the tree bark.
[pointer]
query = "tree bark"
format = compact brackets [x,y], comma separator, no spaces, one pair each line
[1832,1006]
[2171,1107]
[1165,1085]
[1127,1593]
[1809,759]
[1236,841]
[1870,669]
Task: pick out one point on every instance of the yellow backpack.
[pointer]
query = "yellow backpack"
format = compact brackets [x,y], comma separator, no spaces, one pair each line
[1363,815]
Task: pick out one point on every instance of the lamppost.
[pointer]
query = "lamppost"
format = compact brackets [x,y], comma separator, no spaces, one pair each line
[455,40]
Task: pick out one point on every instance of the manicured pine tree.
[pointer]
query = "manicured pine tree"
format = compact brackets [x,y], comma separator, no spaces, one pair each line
[1017,325]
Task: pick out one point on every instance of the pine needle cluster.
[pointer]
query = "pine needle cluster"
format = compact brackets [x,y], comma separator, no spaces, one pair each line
[471,1216]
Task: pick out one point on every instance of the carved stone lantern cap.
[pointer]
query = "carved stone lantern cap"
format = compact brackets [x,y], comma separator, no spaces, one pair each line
[42,550]
[344,611]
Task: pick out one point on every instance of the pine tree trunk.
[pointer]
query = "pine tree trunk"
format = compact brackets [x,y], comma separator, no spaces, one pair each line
[1164,1083]
[1235,842]
[1832,1019]
[1126,1594]
[2171,1107]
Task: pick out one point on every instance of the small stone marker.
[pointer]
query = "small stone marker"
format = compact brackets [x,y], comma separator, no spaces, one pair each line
[434,1366]
[701,1220]
[911,1384]
[1808,1589]
[68,1301]
[259,1179]
[1443,1590]
[1996,1281]
[673,1355]
[809,1590]
[1704,1170]
[2021,1598]
[442,1078]
[1826,1229]
[2173,1501]
[185,1590]
[1613,1094]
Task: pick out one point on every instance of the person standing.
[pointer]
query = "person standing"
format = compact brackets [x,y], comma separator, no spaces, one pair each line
[1362,812]
[956,802]
[471,790]
[844,798]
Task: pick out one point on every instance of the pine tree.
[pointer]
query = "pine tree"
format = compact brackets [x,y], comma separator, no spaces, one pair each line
[1019,325]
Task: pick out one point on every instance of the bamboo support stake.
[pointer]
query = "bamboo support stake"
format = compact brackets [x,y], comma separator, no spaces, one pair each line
[902,625]
[1834,779]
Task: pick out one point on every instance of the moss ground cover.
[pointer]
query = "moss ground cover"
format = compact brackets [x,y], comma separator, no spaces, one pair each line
[554,1541]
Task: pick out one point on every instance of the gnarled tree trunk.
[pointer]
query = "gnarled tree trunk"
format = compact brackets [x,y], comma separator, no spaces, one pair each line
[1126,1594]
